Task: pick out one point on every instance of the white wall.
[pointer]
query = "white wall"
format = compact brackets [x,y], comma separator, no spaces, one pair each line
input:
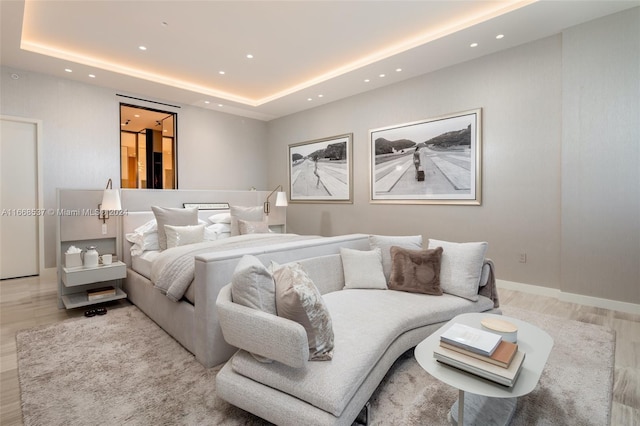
[81,140]
[601,158]
[537,179]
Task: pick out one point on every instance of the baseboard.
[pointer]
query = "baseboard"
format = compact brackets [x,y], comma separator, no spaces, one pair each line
[614,305]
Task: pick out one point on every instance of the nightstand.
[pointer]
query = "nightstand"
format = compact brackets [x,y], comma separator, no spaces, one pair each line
[80,279]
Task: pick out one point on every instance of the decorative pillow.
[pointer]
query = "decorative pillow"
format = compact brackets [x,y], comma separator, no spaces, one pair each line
[220,218]
[384,243]
[252,285]
[461,267]
[183,235]
[363,269]
[416,271]
[173,216]
[249,227]
[298,299]
[254,214]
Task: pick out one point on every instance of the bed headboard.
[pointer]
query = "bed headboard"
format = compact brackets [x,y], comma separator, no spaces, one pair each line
[137,204]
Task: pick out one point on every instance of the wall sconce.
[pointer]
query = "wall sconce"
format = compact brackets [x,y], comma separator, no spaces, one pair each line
[110,201]
[281,200]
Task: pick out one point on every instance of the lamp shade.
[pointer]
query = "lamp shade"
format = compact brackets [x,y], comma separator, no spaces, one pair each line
[111,200]
[281,199]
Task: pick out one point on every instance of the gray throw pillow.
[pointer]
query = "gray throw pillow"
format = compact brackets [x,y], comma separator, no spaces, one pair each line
[384,243]
[298,299]
[416,271]
[363,269]
[461,267]
[251,214]
[173,216]
[252,285]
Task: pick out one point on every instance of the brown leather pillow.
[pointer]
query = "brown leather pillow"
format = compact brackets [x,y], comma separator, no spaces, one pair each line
[416,271]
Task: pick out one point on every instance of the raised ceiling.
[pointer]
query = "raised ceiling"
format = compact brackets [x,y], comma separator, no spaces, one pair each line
[304,53]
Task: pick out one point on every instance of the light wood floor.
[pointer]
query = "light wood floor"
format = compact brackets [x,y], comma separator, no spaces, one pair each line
[29,302]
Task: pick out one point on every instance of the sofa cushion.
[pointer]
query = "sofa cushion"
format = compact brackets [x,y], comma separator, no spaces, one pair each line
[298,299]
[384,243]
[416,271]
[461,267]
[362,335]
[363,269]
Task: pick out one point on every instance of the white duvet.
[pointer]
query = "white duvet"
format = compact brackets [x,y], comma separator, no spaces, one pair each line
[172,271]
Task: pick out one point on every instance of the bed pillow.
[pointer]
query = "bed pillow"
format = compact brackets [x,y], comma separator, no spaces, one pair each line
[363,269]
[143,238]
[384,243]
[250,227]
[253,214]
[298,299]
[416,271]
[183,235]
[173,216]
[213,232]
[461,267]
[220,218]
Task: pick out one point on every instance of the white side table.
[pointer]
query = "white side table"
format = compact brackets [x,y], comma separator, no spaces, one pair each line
[488,402]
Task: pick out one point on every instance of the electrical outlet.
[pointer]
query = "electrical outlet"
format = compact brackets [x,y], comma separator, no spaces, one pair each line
[523,257]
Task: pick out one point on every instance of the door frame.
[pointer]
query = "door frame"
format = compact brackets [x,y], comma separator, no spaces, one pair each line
[39,179]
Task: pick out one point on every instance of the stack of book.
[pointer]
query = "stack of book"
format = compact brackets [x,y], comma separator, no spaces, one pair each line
[100,293]
[480,352]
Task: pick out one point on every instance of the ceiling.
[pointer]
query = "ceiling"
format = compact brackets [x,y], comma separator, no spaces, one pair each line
[305,53]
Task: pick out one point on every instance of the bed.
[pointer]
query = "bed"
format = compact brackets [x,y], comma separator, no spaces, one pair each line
[183,305]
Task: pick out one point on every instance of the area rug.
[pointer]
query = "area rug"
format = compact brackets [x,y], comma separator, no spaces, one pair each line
[121,368]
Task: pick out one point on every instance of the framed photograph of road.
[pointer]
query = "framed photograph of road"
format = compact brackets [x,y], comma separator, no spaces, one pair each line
[434,161]
[320,170]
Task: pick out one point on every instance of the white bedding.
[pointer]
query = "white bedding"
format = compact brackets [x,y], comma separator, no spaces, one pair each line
[142,263]
[172,271]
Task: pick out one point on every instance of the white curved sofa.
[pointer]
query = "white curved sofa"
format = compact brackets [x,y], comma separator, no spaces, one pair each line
[372,328]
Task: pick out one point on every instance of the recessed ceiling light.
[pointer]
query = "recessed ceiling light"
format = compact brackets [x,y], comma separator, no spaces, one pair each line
[309,99]
[321,96]
[220,105]
[249,56]
[92,75]
[367,80]
[382,75]
[207,102]
[221,72]
[473,45]
[68,70]
[398,69]
[499,36]
[164,23]
[142,47]
[15,76]
[136,115]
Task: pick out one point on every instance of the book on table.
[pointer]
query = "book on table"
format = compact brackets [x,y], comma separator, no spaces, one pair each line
[100,293]
[472,339]
[504,376]
[502,356]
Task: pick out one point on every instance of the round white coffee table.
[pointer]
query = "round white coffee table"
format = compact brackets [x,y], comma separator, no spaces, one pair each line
[488,402]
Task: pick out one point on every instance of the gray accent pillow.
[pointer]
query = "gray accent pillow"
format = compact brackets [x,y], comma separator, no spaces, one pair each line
[298,299]
[250,227]
[252,285]
[173,216]
[416,271]
[384,243]
[252,214]
[183,235]
[461,267]
[363,269]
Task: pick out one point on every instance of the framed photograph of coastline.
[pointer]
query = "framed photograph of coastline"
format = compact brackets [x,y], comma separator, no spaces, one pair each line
[320,171]
[433,161]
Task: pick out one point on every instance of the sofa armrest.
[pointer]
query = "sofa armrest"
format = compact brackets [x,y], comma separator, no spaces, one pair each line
[262,333]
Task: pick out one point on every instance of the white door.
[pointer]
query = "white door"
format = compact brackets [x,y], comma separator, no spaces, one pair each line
[19,215]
